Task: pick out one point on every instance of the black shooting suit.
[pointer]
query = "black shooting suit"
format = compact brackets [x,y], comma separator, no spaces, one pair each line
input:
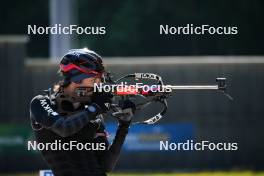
[49,126]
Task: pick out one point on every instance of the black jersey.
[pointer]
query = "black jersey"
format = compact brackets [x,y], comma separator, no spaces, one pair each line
[50,126]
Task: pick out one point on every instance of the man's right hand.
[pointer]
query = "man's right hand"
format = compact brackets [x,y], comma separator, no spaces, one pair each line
[103,100]
[128,110]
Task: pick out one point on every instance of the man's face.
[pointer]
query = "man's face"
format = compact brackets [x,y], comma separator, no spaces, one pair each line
[87,82]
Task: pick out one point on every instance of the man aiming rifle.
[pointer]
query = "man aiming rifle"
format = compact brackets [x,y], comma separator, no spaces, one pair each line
[64,115]
[75,111]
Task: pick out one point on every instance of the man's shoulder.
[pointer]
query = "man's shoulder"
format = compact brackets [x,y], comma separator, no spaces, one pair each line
[41,101]
[39,98]
[41,104]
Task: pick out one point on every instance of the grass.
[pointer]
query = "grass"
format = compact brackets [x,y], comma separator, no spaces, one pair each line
[217,173]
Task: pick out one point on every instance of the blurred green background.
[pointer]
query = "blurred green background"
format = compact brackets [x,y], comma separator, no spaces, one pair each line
[133,26]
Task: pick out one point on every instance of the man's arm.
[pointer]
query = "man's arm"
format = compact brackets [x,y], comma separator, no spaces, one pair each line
[41,112]
[110,157]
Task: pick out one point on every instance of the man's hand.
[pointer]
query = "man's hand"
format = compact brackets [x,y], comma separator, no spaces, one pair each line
[96,114]
[128,110]
[94,110]
[103,100]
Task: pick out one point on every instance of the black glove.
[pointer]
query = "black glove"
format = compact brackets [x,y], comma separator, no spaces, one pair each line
[95,114]
[127,104]
[103,100]
[128,110]
[93,110]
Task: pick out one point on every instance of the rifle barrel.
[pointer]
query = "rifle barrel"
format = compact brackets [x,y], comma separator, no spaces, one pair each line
[197,87]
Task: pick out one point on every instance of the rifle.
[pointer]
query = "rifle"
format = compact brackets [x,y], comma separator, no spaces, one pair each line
[151,96]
